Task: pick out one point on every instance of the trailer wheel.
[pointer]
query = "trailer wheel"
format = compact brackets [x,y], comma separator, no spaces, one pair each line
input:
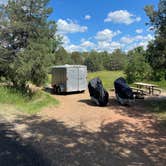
[53,90]
[58,90]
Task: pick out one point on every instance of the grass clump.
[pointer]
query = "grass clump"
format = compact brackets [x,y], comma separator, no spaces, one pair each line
[24,102]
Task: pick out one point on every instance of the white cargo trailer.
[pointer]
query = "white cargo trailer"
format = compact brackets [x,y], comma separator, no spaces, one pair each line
[69,78]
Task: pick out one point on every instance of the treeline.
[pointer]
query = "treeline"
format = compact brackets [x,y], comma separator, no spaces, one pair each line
[134,63]
[95,61]
[29,45]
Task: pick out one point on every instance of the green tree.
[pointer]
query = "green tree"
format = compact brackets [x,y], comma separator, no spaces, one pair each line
[61,57]
[106,60]
[94,61]
[137,69]
[118,60]
[27,41]
[77,58]
[156,52]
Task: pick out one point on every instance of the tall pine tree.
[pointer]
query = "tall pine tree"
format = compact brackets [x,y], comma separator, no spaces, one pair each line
[156,52]
[27,41]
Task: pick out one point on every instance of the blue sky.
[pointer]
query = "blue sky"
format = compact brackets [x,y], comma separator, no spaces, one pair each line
[102,25]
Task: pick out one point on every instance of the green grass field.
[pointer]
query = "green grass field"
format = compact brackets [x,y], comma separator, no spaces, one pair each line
[107,77]
[25,103]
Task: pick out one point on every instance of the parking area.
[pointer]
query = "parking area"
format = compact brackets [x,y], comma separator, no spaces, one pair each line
[77,132]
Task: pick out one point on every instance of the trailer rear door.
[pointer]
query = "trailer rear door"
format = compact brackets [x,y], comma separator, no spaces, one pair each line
[72,79]
[82,78]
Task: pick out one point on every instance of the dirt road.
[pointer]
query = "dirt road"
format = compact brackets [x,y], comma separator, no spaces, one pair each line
[122,134]
[77,109]
[14,151]
[78,133]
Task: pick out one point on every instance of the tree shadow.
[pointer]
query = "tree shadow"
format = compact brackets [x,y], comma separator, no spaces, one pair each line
[14,151]
[117,143]
[112,102]
[88,102]
[48,90]
[136,109]
[51,91]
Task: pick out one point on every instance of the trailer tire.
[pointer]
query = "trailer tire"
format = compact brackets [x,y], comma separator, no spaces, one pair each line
[53,90]
[58,90]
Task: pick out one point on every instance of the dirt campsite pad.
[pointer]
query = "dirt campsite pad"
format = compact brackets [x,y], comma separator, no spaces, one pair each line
[77,132]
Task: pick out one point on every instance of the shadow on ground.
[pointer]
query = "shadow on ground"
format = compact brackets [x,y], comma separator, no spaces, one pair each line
[112,102]
[52,91]
[88,102]
[118,143]
[138,108]
[14,151]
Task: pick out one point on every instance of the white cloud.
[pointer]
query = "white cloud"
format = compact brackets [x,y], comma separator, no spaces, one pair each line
[73,47]
[65,40]
[103,45]
[87,17]
[122,16]
[139,40]
[145,38]
[87,44]
[139,31]
[106,35]
[108,46]
[3,2]
[68,26]
[115,45]
[138,19]
[137,44]
[126,40]
[126,43]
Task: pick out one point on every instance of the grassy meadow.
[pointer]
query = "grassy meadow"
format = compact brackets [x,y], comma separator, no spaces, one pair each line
[41,99]
[107,77]
[29,104]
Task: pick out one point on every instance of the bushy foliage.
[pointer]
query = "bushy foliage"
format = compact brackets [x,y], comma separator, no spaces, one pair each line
[27,40]
[156,52]
[61,57]
[94,62]
[137,68]
[118,60]
[77,58]
[97,61]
